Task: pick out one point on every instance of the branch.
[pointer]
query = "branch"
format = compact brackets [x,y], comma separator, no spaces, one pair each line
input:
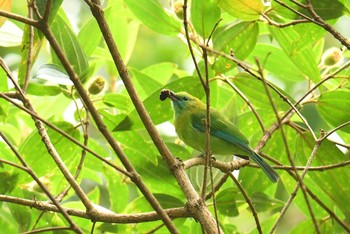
[64,134]
[27,169]
[195,204]
[226,167]
[104,216]
[249,201]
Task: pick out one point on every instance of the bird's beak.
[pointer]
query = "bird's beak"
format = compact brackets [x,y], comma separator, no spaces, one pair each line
[172,96]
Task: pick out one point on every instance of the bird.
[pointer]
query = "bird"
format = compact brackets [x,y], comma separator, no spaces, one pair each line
[225,138]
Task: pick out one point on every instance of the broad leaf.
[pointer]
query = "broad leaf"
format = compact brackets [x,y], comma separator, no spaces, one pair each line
[303,57]
[10,34]
[248,10]
[238,39]
[69,45]
[330,181]
[204,16]
[277,62]
[37,40]
[153,15]
[334,107]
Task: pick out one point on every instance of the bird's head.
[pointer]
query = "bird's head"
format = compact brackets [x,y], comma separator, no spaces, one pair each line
[182,101]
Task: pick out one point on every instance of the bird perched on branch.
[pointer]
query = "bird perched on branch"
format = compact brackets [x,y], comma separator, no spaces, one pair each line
[225,137]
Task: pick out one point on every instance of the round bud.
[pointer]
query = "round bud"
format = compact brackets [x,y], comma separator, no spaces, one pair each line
[97,85]
[178,9]
[332,57]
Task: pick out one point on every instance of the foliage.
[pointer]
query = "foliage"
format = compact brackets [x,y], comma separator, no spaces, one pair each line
[279,71]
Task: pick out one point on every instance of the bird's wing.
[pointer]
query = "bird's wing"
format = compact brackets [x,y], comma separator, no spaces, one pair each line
[220,127]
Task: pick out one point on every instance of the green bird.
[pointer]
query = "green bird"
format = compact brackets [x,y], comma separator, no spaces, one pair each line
[225,137]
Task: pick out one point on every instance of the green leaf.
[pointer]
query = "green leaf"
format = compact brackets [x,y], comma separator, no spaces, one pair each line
[247,10]
[124,30]
[117,189]
[239,38]
[89,36]
[4,105]
[36,156]
[161,72]
[119,101]
[303,57]
[277,62]
[22,215]
[255,91]
[53,74]
[263,202]
[7,221]
[43,90]
[330,181]
[38,36]
[5,5]
[10,34]
[334,107]
[226,202]
[138,149]
[153,15]
[326,9]
[204,16]
[69,44]
[160,112]
[143,83]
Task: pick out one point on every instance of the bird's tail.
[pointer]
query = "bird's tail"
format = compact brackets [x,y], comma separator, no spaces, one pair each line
[269,171]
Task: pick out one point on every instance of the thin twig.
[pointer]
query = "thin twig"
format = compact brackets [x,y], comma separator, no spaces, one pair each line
[295,190]
[286,144]
[249,202]
[30,49]
[64,134]
[246,100]
[27,169]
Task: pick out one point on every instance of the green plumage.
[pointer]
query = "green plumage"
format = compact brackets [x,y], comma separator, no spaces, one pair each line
[225,137]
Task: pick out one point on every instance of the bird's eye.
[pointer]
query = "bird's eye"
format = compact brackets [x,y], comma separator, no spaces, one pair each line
[185,98]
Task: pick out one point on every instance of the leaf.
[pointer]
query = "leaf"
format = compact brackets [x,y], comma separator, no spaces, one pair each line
[247,10]
[5,5]
[36,156]
[4,105]
[204,16]
[10,34]
[89,36]
[22,215]
[124,30]
[53,74]
[330,181]
[263,202]
[277,62]
[69,45]
[119,101]
[334,107]
[254,89]
[117,189]
[161,72]
[326,9]
[43,90]
[143,83]
[226,202]
[153,15]
[138,149]
[303,57]
[37,40]
[239,38]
